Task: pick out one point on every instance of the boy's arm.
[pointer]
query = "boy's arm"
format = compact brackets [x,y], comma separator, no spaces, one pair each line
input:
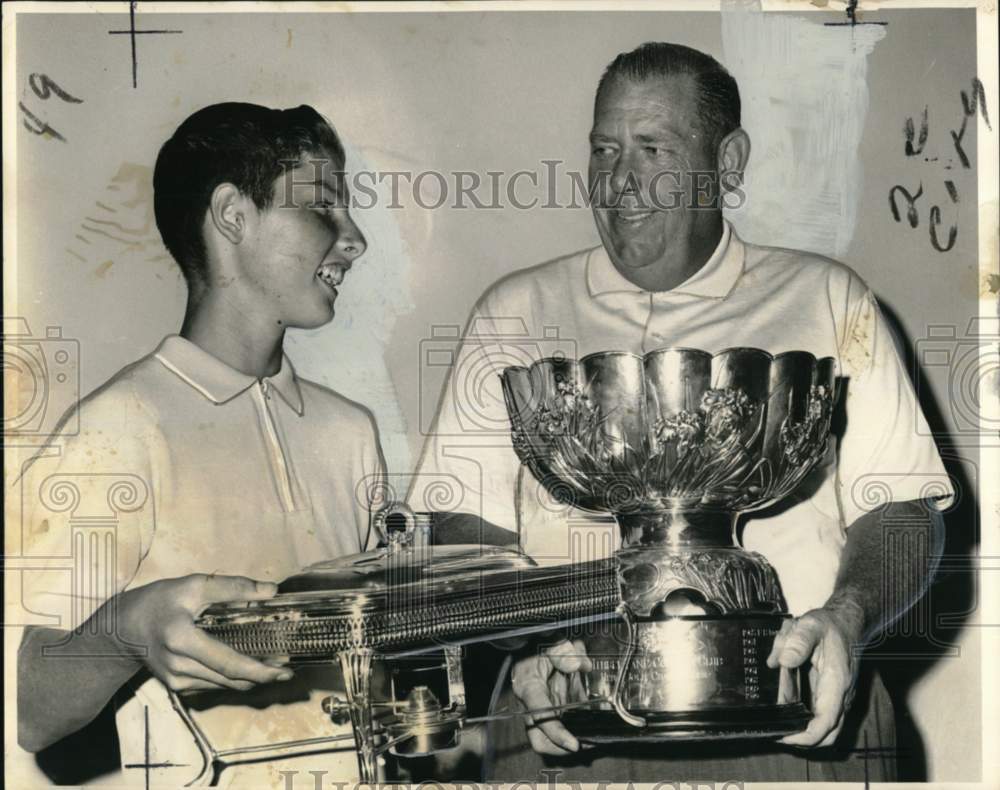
[65,678]
[58,695]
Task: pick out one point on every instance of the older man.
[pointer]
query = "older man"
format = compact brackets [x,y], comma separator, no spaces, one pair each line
[666,152]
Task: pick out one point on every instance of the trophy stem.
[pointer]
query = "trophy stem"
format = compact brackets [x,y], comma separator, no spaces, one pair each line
[677,529]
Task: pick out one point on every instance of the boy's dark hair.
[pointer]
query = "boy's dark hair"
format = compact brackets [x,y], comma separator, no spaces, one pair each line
[718,94]
[245,145]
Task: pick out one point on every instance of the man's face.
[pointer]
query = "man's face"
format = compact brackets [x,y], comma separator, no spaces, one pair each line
[649,158]
[304,243]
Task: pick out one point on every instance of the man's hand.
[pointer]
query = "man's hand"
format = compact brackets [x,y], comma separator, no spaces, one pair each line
[160,618]
[828,636]
[545,681]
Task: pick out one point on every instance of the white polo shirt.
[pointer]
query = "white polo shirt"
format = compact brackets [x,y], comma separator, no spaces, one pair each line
[183,465]
[774,299]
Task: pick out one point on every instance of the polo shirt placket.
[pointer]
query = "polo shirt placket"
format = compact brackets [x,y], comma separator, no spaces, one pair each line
[275,452]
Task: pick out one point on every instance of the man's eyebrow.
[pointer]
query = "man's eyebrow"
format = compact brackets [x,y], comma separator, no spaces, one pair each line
[651,138]
[602,137]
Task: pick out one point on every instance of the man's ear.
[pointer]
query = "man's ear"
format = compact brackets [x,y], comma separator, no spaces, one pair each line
[734,153]
[225,210]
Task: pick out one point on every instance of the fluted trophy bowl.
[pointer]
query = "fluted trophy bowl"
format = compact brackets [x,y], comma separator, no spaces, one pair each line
[675,445]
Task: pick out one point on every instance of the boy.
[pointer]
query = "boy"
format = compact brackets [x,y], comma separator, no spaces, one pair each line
[237,465]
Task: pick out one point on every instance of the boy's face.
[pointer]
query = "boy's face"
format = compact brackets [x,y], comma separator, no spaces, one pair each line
[302,245]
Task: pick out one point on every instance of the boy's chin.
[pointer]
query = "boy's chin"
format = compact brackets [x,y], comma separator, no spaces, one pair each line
[315,321]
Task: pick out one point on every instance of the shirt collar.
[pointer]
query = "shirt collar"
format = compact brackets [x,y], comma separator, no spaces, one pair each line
[218,382]
[714,280]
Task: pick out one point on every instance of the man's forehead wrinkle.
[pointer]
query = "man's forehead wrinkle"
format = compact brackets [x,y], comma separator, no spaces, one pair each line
[641,125]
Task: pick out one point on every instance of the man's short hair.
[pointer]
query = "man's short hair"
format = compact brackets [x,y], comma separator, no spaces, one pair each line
[245,145]
[718,94]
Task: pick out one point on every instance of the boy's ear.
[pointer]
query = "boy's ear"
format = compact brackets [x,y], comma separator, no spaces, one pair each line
[225,209]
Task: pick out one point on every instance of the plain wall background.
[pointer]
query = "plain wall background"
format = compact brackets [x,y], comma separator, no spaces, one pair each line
[477,92]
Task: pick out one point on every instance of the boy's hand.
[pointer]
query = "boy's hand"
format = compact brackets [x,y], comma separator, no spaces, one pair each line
[160,618]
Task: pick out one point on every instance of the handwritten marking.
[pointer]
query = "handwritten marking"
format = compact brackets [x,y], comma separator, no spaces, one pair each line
[909,131]
[911,212]
[973,103]
[132,33]
[969,111]
[40,128]
[146,765]
[43,87]
[852,17]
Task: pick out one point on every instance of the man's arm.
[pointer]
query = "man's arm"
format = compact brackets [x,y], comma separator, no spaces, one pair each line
[858,610]
[66,678]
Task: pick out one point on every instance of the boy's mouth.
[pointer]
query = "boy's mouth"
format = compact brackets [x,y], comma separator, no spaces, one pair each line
[332,274]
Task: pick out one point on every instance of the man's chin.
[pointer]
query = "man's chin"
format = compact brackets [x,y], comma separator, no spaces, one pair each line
[629,248]
[627,258]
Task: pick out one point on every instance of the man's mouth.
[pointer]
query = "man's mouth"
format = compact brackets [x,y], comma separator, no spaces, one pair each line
[332,274]
[630,218]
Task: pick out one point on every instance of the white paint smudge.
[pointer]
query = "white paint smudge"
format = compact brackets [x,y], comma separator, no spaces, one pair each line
[805,97]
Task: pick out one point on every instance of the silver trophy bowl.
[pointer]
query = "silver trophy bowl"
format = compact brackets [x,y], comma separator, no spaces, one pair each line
[675,445]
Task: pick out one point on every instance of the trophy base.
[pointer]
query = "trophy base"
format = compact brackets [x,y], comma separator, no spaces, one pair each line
[771,721]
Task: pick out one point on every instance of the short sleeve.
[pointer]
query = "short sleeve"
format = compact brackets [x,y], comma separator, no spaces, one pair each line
[83,506]
[468,463]
[887,452]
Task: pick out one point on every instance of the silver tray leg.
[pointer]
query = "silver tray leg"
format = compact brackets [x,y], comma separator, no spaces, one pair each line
[356,665]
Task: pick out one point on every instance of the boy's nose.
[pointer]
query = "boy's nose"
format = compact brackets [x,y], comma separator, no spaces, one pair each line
[351,242]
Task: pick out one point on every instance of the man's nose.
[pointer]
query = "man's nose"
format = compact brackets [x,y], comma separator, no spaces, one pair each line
[351,242]
[623,176]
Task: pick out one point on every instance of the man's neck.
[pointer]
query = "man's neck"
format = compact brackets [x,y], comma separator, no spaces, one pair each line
[233,337]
